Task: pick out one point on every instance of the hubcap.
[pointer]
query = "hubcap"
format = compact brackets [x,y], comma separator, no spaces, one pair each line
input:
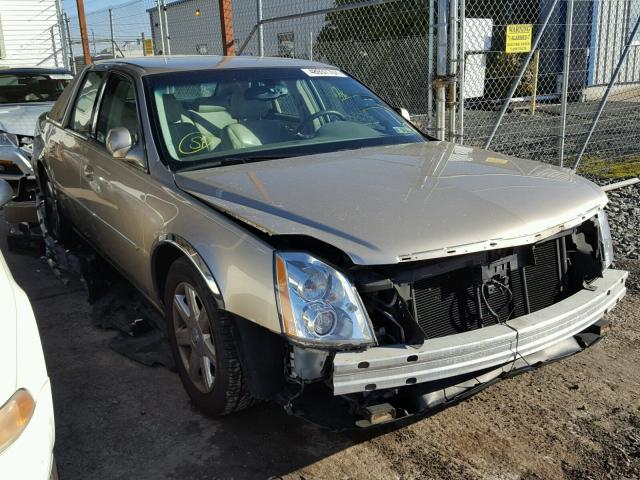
[194,337]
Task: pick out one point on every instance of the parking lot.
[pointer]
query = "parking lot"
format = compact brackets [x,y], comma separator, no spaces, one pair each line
[115,418]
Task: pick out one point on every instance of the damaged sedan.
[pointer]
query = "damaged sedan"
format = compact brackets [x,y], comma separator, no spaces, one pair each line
[307,245]
[25,94]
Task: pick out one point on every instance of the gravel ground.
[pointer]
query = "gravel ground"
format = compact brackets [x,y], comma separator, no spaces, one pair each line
[624,219]
[117,419]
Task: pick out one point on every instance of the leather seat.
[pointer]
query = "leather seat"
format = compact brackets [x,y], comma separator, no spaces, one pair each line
[252,114]
[183,129]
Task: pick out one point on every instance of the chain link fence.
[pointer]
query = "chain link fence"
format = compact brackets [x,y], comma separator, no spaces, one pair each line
[564,80]
[530,76]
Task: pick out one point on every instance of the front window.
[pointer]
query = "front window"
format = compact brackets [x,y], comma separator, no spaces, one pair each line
[208,117]
[32,87]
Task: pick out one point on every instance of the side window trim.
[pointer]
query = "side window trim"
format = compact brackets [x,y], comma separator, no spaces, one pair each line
[77,93]
[141,143]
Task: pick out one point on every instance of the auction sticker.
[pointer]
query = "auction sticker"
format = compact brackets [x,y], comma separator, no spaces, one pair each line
[323,72]
[60,76]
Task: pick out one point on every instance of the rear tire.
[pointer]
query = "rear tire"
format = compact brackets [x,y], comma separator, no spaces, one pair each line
[54,220]
[202,343]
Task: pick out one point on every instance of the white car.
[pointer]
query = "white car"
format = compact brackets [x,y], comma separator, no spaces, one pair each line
[27,430]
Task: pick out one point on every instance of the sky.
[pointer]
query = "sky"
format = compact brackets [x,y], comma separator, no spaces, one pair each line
[90,5]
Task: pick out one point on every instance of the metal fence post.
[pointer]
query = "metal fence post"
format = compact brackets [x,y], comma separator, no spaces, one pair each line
[441,70]
[161,27]
[565,79]
[603,102]
[260,29]
[113,42]
[68,29]
[453,68]
[166,27]
[63,41]
[431,39]
[462,65]
[523,69]
[53,44]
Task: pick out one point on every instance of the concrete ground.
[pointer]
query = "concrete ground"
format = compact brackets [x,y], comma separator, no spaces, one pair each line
[117,419]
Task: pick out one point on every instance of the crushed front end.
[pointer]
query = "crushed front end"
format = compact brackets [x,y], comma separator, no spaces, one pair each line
[16,169]
[445,328]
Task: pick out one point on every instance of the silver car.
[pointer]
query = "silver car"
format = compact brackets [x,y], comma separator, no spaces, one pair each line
[308,245]
[25,94]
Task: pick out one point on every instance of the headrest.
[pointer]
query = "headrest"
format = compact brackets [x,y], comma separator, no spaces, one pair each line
[173,109]
[248,109]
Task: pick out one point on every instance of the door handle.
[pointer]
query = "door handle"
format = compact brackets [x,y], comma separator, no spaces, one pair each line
[88,172]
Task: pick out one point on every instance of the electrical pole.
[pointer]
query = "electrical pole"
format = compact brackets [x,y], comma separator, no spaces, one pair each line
[83,32]
[226,27]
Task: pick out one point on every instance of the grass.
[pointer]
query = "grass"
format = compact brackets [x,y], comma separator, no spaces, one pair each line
[596,166]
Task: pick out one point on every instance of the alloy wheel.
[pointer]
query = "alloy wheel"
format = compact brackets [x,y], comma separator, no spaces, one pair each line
[194,337]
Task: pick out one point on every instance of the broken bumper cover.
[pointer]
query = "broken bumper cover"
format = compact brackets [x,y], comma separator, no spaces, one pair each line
[440,358]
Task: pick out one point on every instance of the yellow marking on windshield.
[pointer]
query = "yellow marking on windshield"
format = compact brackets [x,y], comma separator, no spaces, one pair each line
[193,142]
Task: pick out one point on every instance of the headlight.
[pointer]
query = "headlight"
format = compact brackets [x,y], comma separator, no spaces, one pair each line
[605,238]
[14,417]
[318,305]
[8,140]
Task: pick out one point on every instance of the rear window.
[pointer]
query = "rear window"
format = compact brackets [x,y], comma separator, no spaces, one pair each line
[32,87]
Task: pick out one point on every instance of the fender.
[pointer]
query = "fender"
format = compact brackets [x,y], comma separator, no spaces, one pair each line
[192,254]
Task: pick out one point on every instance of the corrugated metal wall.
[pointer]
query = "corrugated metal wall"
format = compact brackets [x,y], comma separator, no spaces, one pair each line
[30,35]
[613,22]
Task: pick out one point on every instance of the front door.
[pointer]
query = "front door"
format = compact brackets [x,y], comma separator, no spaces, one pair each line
[113,189]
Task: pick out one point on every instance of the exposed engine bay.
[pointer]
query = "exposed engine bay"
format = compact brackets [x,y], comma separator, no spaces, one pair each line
[414,302]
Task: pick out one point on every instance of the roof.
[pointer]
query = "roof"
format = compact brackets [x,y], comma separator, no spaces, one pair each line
[33,70]
[173,63]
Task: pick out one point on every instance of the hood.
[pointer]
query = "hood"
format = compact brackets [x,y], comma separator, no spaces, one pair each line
[21,118]
[8,334]
[385,205]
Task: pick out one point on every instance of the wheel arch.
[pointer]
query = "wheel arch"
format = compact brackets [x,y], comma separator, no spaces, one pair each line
[166,250]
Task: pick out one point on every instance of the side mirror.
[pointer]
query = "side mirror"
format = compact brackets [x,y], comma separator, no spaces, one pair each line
[119,145]
[118,142]
[6,192]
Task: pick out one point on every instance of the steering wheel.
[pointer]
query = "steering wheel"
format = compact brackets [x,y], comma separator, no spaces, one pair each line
[319,114]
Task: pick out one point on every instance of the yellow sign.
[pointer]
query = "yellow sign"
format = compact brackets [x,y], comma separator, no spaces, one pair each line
[519,38]
[148,46]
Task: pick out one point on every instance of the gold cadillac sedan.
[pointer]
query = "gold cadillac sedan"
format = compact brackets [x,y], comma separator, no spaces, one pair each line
[307,245]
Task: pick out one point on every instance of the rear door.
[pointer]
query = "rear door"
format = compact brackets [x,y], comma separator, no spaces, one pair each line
[114,190]
[72,146]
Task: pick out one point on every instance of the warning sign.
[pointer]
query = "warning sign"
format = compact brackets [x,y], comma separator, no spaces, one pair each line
[148,46]
[519,38]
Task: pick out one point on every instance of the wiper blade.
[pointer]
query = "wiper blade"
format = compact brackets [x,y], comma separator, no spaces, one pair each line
[229,161]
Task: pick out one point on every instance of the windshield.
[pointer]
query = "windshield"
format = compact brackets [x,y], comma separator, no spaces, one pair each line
[207,118]
[32,87]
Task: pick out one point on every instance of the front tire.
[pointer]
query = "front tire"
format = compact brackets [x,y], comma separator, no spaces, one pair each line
[202,343]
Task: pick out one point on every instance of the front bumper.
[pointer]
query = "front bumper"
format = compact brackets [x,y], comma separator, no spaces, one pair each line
[455,355]
[19,174]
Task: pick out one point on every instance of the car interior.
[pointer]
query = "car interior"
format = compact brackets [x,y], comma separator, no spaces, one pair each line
[238,115]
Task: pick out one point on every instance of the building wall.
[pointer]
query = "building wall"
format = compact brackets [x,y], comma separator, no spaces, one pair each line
[29,33]
[613,22]
[191,34]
